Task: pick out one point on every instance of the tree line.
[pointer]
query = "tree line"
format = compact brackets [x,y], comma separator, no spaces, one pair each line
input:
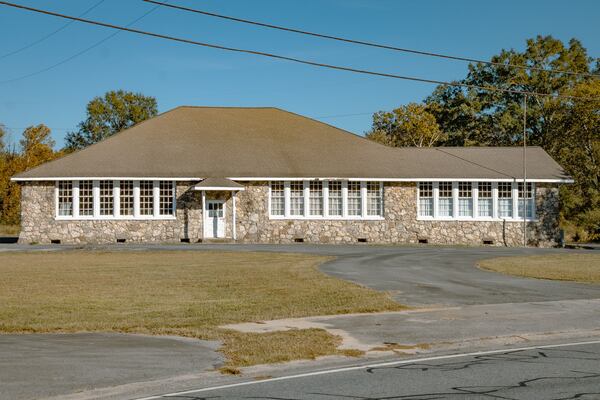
[105,116]
[568,129]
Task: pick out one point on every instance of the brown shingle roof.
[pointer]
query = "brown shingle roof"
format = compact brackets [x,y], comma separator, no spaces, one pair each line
[199,142]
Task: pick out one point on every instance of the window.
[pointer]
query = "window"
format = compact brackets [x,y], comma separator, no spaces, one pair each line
[146,198]
[296,198]
[465,199]
[485,203]
[277,198]
[65,198]
[166,196]
[126,198]
[505,205]
[106,198]
[426,199]
[335,199]
[354,199]
[445,199]
[526,199]
[316,198]
[86,198]
[374,199]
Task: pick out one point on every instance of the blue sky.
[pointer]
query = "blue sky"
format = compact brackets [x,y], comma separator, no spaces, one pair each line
[178,74]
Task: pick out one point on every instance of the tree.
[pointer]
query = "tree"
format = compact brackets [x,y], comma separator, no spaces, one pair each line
[2,135]
[409,125]
[116,111]
[483,117]
[36,147]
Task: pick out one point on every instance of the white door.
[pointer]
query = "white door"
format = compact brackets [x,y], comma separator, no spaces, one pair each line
[214,220]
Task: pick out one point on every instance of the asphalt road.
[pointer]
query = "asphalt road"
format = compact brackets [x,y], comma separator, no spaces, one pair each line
[544,374]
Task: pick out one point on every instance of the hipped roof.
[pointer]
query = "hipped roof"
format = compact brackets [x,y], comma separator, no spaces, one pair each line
[200,142]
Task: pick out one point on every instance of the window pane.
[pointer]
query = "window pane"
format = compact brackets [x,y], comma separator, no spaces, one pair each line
[126,197]
[505,206]
[374,199]
[296,198]
[526,199]
[465,200]
[485,203]
[166,196]
[106,197]
[354,199]
[426,199]
[146,198]
[65,198]
[316,198]
[335,198]
[277,198]
[86,198]
[445,199]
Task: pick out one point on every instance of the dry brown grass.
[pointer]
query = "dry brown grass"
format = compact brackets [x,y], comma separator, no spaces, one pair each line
[563,267]
[184,293]
[9,230]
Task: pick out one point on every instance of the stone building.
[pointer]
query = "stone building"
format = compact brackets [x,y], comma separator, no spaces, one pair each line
[264,175]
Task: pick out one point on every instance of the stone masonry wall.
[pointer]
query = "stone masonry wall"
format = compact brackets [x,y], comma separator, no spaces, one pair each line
[400,224]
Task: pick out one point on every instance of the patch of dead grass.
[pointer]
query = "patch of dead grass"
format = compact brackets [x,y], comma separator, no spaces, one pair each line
[564,267]
[183,293]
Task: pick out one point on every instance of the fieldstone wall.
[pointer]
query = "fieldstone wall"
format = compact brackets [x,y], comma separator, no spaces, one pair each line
[400,224]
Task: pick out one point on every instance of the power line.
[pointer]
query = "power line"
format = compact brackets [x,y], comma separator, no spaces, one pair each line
[292,59]
[79,53]
[371,44]
[43,38]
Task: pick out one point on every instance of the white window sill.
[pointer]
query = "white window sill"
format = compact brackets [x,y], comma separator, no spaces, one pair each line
[111,218]
[480,219]
[317,218]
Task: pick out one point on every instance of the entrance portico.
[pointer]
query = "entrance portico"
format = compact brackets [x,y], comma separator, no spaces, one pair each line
[214,207]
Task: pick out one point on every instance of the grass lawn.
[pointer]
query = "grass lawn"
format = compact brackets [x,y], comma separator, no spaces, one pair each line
[563,267]
[9,230]
[186,293]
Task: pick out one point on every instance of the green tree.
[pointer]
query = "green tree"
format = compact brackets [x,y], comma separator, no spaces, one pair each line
[409,125]
[483,117]
[116,111]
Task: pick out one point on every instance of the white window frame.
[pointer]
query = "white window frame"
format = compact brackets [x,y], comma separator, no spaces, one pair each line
[475,200]
[116,215]
[325,216]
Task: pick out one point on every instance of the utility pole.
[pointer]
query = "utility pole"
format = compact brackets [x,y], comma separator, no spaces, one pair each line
[525,191]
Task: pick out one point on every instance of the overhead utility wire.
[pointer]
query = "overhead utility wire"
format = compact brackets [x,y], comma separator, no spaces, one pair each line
[54,32]
[79,53]
[297,60]
[371,44]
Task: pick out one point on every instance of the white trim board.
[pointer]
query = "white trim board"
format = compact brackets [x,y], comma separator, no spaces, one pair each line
[539,180]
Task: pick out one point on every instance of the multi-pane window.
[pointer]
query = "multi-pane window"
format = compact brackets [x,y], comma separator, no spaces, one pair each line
[505,202]
[329,199]
[106,198]
[166,196]
[296,198]
[335,199]
[146,198]
[485,202]
[86,198]
[96,199]
[65,198]
[316,198]
[526,198]
[374,199]
[277,198]
[354,199]
[126,198]
[465,199]
[426,199]
[445,199]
